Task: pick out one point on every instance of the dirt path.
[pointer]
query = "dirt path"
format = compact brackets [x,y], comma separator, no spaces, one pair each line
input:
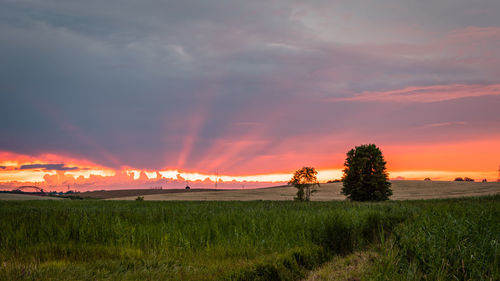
[350,267]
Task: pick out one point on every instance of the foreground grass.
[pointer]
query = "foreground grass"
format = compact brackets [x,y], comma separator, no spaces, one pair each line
[88,240]
[443,240]
[447,240]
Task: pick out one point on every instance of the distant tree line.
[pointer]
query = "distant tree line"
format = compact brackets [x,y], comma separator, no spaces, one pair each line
[463,179]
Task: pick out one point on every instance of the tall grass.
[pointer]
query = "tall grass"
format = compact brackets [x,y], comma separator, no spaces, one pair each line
[88,240]
[103,240]
[446,240]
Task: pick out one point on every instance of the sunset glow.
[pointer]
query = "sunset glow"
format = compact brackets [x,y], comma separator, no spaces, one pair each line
[438,162]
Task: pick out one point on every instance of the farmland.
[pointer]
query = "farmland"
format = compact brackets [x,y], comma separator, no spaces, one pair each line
[17,196]
[403,190]
[258,240]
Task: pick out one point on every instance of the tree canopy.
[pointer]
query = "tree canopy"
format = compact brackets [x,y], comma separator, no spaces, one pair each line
[365,176]
[305,181]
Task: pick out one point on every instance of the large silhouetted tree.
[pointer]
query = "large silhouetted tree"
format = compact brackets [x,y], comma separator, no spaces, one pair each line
[305,181]
[365,176]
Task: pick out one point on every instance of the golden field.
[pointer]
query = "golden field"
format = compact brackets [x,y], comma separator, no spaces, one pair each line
[402,190]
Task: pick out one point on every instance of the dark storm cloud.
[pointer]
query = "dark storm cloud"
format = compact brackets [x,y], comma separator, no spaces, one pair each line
[136,83]
[48,167]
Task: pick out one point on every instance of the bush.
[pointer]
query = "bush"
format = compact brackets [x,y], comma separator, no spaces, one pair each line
[139,198]
[459,179]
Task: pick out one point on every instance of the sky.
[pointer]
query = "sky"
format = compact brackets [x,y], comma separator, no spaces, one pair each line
[114,94]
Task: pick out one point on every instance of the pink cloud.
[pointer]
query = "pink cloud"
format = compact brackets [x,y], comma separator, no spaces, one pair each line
[425,94]
[444,124]
[475,32]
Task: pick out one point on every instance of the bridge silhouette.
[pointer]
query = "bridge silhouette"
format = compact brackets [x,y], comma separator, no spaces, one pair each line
[26,188]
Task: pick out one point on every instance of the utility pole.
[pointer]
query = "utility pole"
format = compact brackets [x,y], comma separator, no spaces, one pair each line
[216,177]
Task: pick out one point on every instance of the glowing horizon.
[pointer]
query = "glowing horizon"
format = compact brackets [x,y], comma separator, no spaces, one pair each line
[91,176]
[27,177]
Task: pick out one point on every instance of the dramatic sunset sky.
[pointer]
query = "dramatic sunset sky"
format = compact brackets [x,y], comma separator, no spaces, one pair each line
[114,94]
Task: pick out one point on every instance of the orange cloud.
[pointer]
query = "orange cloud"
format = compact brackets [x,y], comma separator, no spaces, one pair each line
[91,176]
[14,161]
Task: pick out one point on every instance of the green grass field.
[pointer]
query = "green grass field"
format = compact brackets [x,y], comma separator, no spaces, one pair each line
[448,240]
[454,239]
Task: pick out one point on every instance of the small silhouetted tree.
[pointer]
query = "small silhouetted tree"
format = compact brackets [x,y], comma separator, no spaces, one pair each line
[365,176]
[459,179]
[305,181]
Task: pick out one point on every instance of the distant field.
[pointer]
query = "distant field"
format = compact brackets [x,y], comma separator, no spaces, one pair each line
[402,190]
[106,194]
[13,196]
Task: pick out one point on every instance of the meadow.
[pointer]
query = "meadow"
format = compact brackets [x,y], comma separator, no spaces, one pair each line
[452,239]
